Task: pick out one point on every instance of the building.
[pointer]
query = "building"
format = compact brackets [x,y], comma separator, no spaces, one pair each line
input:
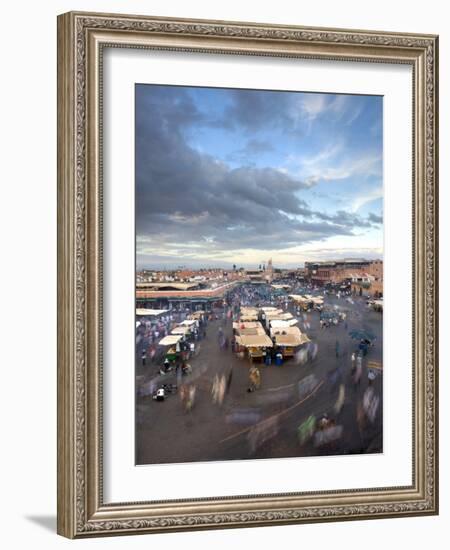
[338,271]
[180,296]
[376,269]
[255,276]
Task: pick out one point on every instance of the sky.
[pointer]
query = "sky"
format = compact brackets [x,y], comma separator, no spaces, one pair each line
[230,176]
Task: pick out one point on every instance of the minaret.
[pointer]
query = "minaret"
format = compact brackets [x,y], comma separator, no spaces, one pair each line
[269,271]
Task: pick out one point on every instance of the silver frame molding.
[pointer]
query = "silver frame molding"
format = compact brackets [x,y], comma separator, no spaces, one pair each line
[81,39]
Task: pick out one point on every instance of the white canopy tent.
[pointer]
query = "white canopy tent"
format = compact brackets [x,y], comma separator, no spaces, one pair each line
[283,316]
[170,340]
[289,337]
[254,341]
[189,322]
[180,330]
[143,312]
[281,323]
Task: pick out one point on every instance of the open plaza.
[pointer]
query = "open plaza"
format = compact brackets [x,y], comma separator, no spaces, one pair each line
[259,364]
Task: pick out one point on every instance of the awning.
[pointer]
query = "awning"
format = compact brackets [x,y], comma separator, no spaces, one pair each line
[247,324]
[254,341]
[150,312]
[170,340]
[282,323]
[251,330]
[188,322]
[249,311]
[180,330]
[291,340]
[247,318]
[289,336]
[299,298]
[280,287]
[279,316]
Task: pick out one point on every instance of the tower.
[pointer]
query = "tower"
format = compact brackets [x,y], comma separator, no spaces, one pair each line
[269,270]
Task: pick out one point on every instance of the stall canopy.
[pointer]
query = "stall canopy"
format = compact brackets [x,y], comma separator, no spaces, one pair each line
[254,341]
[307,299]
[280,323]
[188,323]
[247,318]
[289,337]
[249,314]
[299,298]
[249,311]
[180,330]
[247,324]
[252,331]
[150,312]
[281,287]
[170,340]
[279,316]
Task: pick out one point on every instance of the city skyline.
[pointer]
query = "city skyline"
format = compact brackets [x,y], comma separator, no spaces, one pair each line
[226,176]
[262,263]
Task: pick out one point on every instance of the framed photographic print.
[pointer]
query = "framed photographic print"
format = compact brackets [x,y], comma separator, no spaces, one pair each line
[247,288]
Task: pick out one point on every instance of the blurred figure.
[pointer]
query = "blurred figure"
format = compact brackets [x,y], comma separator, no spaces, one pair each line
[312,348]
[229,379]
[262,432]
[307,385]
[243,416]
[301,356]
[370,404]
[358,371]
[340,400]
[306,430]
[254,378]
[334,376]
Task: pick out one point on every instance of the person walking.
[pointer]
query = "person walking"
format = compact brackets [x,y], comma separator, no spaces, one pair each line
[229,379]
[358,371]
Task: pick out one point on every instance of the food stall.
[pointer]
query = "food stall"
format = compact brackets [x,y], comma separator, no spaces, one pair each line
[181,330]
[171,342]
[254,344]
[288,339]
[248,314]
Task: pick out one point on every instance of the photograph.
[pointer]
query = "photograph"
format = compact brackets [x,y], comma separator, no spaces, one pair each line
[247,273]
[259,274]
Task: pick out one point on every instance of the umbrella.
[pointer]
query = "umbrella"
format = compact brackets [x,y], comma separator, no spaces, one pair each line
[362,335]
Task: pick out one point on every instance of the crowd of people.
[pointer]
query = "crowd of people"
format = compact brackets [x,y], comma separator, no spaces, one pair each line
[321,430]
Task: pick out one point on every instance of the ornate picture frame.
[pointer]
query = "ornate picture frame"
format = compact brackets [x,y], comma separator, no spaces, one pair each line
[82,38]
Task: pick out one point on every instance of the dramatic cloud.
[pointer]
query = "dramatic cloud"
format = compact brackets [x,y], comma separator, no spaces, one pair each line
[193,206]
[374,218]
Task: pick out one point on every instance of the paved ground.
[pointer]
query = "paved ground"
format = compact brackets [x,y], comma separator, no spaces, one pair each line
[263,424]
